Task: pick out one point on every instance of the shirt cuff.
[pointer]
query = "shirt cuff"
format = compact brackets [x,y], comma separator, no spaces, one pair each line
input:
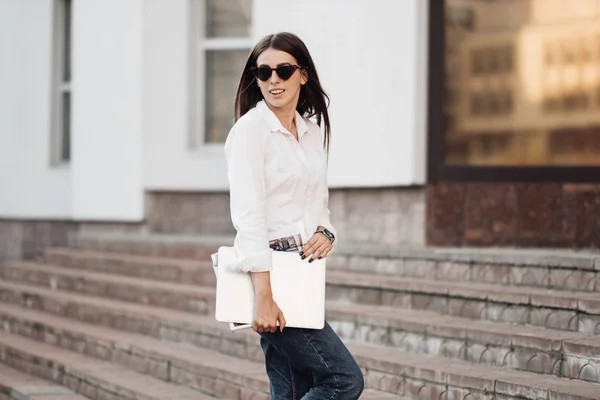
[260,262]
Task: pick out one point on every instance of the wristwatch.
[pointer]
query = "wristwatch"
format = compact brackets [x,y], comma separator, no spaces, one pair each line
[327,233]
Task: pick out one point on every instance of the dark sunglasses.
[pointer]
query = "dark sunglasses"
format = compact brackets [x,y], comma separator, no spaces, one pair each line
[285,72]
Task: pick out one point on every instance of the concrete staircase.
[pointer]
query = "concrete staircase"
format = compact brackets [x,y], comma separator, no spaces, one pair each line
[130,317]
[15,385]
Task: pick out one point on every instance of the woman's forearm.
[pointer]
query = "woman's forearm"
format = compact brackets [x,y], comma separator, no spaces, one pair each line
[262,284]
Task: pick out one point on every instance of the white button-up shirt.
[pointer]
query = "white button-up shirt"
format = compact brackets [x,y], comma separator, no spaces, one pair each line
[278,185]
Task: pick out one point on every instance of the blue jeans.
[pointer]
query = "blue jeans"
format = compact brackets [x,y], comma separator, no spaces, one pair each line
[310,364]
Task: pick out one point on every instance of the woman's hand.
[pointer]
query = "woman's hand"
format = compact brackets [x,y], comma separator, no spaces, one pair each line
[266,315]
[318,247]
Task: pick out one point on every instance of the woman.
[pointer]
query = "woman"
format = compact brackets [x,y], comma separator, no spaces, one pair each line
[277,168]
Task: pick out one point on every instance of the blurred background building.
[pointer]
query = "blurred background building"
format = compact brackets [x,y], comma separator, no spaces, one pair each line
[456,122]
[522,83]
[514,160]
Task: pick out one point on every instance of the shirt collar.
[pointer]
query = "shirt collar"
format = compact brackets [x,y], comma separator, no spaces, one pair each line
[275,125]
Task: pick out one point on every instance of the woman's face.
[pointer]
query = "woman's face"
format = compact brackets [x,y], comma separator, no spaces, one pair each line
[277,92]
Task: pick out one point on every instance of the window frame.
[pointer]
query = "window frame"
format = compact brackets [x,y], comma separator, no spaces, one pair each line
[437,169]
[60,84]
[201,45]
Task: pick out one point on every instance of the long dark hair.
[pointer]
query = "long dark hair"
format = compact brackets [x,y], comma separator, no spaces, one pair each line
[313,100]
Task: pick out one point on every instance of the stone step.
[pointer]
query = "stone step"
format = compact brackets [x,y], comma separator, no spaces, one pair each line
[193,298]
[564,310]
[216,374]
[206,370]
[502,268]
[463,380]
[16,385]
[567,354]
[574,355]
[546,268]
[162,323]
[191,247]
[392,370]
[159,268]
[200,272]
[176,268]
[93,378]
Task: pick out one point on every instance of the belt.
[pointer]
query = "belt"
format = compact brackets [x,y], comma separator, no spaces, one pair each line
[288,243]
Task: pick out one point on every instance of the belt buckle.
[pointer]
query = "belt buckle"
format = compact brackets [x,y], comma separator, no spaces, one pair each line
[287,244]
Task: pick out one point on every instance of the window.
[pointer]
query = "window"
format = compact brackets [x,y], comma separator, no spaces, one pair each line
[552,133]
[523,82]
[491,103]
[492,60]
[61,130]
[558,97]
[462,17]
[224,45]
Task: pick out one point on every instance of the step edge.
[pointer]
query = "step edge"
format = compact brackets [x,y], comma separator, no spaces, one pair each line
[61,354]
[432,364]
[531,256]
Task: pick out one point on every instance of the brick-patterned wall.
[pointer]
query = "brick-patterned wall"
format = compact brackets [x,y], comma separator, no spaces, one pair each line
[26,239]
[188,212]
[513,214]
[393,216]
[387,216]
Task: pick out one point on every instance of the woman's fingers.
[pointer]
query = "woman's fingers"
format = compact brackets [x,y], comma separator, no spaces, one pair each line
[318,246]
[266,315]
[282,322]
[320,252]
[264,326]
[315,241]
[308,248]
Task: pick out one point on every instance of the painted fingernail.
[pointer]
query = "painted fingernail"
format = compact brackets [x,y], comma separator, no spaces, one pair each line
[320,258]
[310,260]
[301,253]
[303,257]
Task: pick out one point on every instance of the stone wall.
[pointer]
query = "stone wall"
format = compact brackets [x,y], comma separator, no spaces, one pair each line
[448,214]
[188,212]
[508,214]
[394,216]
[390,216]
[386,216]
[26,239]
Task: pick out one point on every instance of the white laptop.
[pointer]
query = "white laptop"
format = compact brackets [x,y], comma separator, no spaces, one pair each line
[298,289]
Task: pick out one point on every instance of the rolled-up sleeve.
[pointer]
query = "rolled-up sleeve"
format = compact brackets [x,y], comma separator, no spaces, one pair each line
[244,151]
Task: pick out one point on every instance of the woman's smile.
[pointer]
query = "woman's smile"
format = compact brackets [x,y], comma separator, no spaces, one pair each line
[276,92]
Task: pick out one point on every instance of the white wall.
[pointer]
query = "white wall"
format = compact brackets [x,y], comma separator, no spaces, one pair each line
[169,110]
[107,110]
[103,181]
[133,68]
[371,57]
[29,188]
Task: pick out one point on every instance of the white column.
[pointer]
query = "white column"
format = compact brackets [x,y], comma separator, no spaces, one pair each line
[107,110]
[29,186]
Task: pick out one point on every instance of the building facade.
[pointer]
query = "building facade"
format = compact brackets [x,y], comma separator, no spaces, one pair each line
[454,122]
[514,159]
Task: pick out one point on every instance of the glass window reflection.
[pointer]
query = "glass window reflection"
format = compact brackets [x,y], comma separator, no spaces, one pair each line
[522,83]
